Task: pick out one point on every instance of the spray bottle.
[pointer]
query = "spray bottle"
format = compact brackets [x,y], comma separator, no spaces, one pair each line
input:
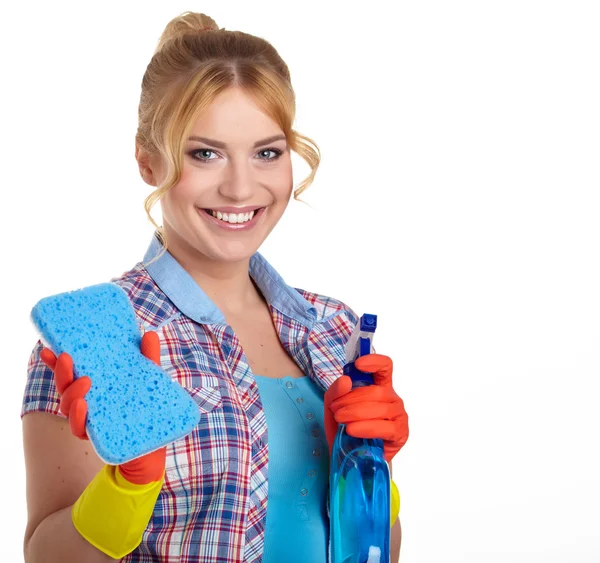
[359,477]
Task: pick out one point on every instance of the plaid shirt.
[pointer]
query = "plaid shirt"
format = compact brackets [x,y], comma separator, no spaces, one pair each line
[213,504]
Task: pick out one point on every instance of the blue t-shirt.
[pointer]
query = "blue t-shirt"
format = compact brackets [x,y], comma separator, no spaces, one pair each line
[297,527]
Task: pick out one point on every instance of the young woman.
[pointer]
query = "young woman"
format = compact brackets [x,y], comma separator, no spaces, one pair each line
[262,360]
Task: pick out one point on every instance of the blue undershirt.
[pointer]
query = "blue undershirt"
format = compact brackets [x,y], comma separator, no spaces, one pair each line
[297,526]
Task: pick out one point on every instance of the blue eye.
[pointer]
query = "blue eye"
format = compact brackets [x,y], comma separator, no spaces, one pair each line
[276,151]
[202,159]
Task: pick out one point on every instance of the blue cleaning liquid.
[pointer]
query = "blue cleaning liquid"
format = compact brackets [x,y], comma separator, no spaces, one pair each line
[360,499]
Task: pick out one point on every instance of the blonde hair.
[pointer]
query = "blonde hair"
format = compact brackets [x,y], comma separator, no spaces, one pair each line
[193,63]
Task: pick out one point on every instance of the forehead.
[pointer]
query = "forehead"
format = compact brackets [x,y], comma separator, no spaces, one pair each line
[232,117]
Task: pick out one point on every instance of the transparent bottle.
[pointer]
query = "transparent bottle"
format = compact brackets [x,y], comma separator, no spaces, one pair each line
[359,502]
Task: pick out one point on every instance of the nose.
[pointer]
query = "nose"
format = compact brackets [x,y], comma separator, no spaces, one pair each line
[238,181]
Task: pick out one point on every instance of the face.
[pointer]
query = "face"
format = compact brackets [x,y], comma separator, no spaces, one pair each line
[235,185]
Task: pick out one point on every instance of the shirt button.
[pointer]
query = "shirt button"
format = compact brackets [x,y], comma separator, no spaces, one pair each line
[309,415]
[300,399]
[303,492]
[317,452]
[312,473]
[289,384]
[315,433]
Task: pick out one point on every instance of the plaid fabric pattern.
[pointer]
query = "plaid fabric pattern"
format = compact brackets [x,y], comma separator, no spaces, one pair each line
[212,507]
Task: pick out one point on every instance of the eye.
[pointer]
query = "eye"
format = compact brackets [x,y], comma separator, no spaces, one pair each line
[202,158]
[276,152]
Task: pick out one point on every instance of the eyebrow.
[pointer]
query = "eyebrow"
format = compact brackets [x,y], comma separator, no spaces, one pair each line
[221,145]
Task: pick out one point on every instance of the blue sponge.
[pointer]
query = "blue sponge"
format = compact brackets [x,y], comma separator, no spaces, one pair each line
[134,407]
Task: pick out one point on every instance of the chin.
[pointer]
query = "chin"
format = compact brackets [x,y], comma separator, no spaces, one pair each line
[233,251]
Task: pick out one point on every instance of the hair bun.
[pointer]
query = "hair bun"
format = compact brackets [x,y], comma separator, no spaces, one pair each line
[185,24]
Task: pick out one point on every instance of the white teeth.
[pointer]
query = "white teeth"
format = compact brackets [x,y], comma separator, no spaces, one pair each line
[233,217]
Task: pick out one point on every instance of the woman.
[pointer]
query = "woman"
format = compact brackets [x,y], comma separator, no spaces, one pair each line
[262,360]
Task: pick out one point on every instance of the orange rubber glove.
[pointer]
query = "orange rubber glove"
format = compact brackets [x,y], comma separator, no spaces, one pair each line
[140,471]
[375,411]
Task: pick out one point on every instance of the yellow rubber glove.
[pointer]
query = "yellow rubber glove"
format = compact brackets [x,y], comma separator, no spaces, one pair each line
[112,513]
[394,503]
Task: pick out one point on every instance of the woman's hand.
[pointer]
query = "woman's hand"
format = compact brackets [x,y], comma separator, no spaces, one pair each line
[375,411]
[142,470]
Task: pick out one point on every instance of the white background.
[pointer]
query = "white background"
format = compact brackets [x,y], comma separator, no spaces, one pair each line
[458,199]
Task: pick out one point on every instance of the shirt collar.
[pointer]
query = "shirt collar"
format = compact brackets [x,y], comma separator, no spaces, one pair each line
[193,302]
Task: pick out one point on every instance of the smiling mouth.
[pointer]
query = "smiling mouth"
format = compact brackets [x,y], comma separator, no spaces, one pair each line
[233,218]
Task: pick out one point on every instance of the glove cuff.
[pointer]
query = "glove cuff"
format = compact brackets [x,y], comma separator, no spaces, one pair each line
[112,513]
[394,502]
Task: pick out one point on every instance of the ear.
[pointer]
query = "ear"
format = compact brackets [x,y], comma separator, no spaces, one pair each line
[147,166]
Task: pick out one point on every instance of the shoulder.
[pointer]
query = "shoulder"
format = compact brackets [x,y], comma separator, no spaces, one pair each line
[151,305]
[330,311]
[327,340]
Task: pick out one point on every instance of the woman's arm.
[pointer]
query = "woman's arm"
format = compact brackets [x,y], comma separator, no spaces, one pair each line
[395,536]
[56,540]
[395,541]
[58,468]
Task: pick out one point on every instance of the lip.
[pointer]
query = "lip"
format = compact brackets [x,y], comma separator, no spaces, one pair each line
[218,223]
[231,209]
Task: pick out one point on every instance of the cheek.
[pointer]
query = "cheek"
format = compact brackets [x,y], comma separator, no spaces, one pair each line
[284,180]
[176,201]
[186,190]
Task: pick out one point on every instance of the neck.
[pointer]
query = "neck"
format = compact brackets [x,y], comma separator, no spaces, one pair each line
[227,284]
